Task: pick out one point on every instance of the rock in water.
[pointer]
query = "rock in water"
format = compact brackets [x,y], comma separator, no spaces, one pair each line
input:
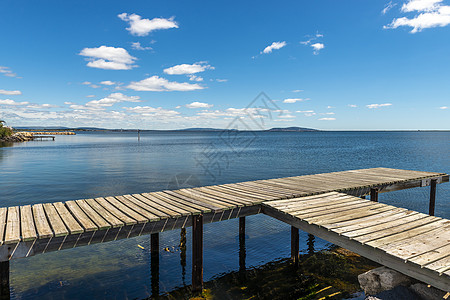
[382,279]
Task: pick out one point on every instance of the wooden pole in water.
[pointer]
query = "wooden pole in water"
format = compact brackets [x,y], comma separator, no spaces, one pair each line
[154,268]
[374,194]
[139,135]
[4,280]
[294,245]
[432,197]
[242,244]
[197,253]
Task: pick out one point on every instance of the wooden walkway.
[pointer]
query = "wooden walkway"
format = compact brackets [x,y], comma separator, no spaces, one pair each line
[412,243]
[33,229]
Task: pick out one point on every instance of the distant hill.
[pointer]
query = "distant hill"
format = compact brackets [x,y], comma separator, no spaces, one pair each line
[292,129]
[296,129]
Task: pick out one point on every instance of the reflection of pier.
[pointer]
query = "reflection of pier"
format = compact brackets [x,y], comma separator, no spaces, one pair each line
[43,137]
[326,205]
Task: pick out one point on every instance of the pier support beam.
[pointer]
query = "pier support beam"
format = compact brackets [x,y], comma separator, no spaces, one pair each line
[242,244]
[154,256]
[294,245]
[432,197]
[374,194]
[4,280]
[197,253]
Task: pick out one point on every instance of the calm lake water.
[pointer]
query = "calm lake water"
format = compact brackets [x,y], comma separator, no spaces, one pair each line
[103,164]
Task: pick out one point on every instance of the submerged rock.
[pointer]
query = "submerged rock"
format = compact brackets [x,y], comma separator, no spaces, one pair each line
[382,279]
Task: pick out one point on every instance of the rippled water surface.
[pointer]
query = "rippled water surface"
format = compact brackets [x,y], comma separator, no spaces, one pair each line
[102,164]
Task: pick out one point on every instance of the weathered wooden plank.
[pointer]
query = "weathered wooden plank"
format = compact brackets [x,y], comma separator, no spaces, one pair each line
[158,213]
[156,205]
[137,208]
[72,225]
[27,224]
[57,224]
[211,206]
[99,221]
[126,210]
[113,220]
[12,234]
[80,216]
[40,219]
[406,234]
[3,213]
[157,201]
[431,256]
[202,195]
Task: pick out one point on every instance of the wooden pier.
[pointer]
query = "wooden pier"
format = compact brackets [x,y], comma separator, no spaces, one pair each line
[43,137]
[327,205]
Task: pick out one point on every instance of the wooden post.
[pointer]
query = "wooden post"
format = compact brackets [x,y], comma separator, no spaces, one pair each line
[139,135]
[432,197]
[154,254]
[242,244]
[4,280]
[374,194]
[197,253]
[294,245]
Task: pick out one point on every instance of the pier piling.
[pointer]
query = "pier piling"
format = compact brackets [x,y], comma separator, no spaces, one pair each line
[374,194]
[242,244]
[154,250]
[197,253]
[432,197]
[4,280]
[294,245]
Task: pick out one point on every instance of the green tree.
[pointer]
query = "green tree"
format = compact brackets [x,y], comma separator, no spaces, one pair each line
[4,131]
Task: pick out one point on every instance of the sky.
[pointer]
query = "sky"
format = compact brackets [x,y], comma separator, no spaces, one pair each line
[331,65]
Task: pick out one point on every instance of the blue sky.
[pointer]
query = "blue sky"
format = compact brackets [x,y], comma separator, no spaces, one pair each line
[337,65]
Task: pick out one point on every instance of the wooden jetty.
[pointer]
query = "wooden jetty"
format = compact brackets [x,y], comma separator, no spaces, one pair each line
[328,205]
[43,137]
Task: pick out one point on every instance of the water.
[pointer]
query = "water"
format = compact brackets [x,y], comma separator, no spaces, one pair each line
[102,164]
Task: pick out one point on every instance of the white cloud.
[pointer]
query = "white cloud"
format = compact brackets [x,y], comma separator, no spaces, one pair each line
[113,99]
[195,78]
[37,106]
[108,58]
[142,27]
[221,80]
[293,100]
[421,5]
[7,72]
[152,112]
[431,13]
[328,113]
[12,102]
[297,91]
[307,113]
[5,92]
[198,105]
[86,83]
[388,7]
[138,46]
[90,96]
[353,105]
[443,107]
[273,46]
[317,47]
[327,119]
[378,105]
[329,106]
[159,84]
[188,69]
[108,82]
[68,103]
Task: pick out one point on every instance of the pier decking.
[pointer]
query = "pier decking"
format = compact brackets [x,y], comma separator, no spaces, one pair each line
[308,202]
